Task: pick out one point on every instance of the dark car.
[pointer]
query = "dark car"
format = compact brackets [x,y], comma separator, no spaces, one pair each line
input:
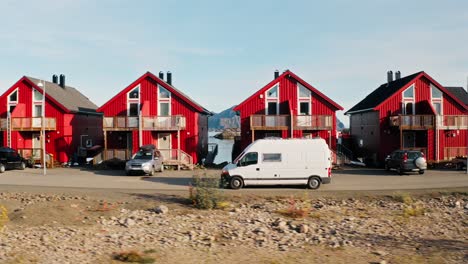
[406,161]
[10,159]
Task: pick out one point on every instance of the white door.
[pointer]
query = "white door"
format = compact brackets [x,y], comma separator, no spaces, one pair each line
[165,145]
[36,145]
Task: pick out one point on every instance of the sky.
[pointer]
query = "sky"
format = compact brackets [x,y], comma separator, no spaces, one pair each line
[220,52]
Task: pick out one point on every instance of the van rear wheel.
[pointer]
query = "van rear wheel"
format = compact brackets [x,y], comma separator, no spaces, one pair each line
[236,183]
[313,183]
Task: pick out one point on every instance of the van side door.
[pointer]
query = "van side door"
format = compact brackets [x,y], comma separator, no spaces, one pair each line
[271,168]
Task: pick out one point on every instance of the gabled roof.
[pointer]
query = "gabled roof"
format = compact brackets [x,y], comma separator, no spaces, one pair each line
[290,74]
[460,93]
[169,87]
[386,90]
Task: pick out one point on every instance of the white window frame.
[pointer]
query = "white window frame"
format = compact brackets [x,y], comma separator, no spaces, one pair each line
[12,103]
[36,103]
[134,100]
[272,99]
[164,100]
[303,99]
[406,100]
[437,100]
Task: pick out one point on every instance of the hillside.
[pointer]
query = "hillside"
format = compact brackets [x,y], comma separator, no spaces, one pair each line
[225,119]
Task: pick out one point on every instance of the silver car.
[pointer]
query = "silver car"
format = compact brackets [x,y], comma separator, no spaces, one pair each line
[148,159]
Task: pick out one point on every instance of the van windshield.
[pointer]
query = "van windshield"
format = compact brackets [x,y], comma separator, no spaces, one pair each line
[143,155]
[238,157]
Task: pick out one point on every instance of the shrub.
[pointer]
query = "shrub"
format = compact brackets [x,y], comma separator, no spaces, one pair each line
[132,256]
[403,198]
[204,193]
[413,210]
[295,209]
[3,217]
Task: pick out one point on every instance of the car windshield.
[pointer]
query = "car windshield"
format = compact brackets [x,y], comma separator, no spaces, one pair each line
[143,155]
[413,155]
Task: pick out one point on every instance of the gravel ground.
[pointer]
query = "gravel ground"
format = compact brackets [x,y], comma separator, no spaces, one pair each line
[50,227]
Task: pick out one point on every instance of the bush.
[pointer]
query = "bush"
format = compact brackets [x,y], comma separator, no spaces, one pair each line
[132,256]
[413,210]
[296,209]
[403,198]
[3,217]
[204,193]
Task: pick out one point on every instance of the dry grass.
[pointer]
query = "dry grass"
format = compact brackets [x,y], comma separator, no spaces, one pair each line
[133,256]
[3,217]
[296,209]
[403,198]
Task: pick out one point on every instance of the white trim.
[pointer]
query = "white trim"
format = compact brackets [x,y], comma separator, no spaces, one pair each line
[12,103]
[273,99]
[164,100]
[359,111]
[303,99]
[407,100]
[437,100]
[134,100]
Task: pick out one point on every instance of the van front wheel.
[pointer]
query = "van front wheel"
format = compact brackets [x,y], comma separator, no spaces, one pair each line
[236,183]
[313,183]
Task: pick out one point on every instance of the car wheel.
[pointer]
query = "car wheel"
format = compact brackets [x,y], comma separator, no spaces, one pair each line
[22,165]
[236,183]
[313,183]
[460,166]
[161,169]
[399,171]
[128,173]
[421,171]
[151,173]
[387,168]
[2,168]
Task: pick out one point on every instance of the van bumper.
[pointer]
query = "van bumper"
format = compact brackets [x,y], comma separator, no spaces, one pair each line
[326,180]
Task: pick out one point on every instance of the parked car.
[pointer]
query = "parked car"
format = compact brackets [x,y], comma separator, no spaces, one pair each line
[280,162]
[406,161]
[148,159]
[11,159]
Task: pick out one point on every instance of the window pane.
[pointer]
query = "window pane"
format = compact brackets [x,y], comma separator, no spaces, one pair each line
[409,93]
[133,109]
[135,93]
[436,93]
[409,109]
[14,96]
[272,108]
[273,92]
[37,110]
[164,109]
[163,93]
[250,158]
[304,92]
[272,157]
[12,107]
[37,96]
[304,108]
[437,108]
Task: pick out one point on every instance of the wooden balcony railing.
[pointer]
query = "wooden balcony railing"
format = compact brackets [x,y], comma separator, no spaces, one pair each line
[270,122]
[453,152]
[313,122]
[413,122]
[29,123]
[176,122]
[122,154]
[452,121]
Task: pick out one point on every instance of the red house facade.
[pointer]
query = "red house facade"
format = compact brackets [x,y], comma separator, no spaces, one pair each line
[413,112]
[70,121]
[288,107]
[152,111]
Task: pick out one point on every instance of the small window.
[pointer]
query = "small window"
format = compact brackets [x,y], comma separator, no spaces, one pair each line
[436,93]
[164,109]
[272,157]
[409,93]
[304,92]
[304,108]
[14,96]
[37,111]
[273,92]
[437,107]
[37,96]
[133,109]
[163,93]
[89,143]
[135,93]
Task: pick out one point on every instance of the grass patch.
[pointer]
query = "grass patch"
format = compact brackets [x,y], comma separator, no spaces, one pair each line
[413,210]
[204,193]
[133,257]
[403,198]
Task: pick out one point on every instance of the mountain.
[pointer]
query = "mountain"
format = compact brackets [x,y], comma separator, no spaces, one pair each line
[339,125]
[223,120]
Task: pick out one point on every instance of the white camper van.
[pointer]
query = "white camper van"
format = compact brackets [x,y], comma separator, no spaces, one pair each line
[280,162]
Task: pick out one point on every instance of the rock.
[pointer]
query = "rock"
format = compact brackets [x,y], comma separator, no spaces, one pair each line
[380,253]
[303,229]
[129,222]
[161,209]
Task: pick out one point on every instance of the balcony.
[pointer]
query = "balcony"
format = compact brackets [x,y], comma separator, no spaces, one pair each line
[313,122]
[413,122]
[270,122]
[452,122]
[29,123]
[127,123]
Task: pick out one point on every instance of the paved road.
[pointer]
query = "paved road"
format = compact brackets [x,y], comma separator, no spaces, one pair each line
[349,179]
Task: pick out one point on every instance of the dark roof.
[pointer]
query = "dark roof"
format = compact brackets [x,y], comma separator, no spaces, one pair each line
[382,93]
[459,92]
[69,97]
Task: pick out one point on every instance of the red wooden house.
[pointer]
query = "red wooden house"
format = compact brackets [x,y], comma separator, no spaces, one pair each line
[288,107]
[413,112]
[152,111]
[70,121]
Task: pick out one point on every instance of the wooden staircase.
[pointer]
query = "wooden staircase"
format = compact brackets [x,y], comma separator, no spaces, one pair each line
[177,158]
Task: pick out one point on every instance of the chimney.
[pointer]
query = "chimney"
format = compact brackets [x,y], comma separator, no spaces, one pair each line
[397,75]
[169,78]
[62,81]
[55,78]
[389,76]
[276,74]
[161,75]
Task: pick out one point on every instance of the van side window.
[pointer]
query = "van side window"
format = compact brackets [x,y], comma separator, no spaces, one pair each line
[272,157]
[249,159]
